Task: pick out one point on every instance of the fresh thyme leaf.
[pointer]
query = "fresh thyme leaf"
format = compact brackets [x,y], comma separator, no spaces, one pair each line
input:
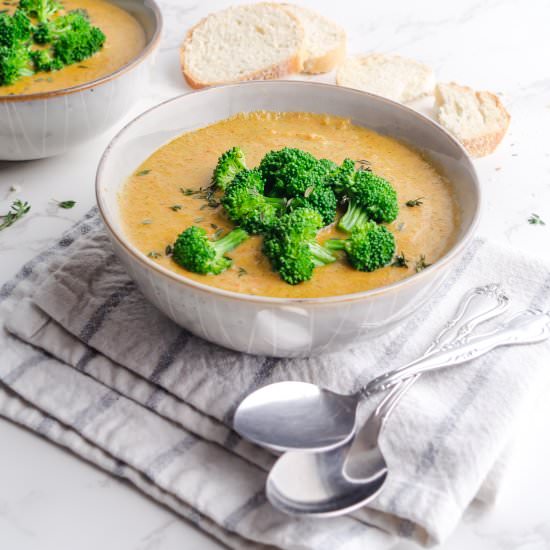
[146,222]
[168,249]
[203,207]
[143,172]
[415,202]
[154,255]
[400,261]
[188,191]
[213,226]
[17,210]
[421,263]
[175,207]
[67,205]
[364,165]
[83,66]
[199,219]
[241,272]
[535,219]
[217,234]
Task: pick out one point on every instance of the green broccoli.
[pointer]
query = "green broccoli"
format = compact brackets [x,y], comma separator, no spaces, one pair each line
[14,63]
[14,29]
[79,41]
[369,247]
[246,204]
[44,61]
[48,31]
[341,178]
[40,9]
[297,175]
[229,165]
[197,253]
[370,197]
[292,248]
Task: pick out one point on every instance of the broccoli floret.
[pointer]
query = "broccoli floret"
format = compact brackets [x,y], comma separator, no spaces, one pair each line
[78,41]
[286,171]
[318,197]
[14,63]
[49,31]
[299,176]
[292,248]
[246,204]
[369,247]
[43,61]
[229,165]
[40,9]
[370,197]
[341,178]
[197,253]
[14,29]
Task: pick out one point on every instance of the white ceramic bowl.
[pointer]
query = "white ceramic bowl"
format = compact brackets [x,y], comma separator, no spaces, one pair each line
[45,124]
[279,326]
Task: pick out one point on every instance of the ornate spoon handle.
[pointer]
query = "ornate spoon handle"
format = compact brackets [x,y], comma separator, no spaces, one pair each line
[527,327]
[479,305]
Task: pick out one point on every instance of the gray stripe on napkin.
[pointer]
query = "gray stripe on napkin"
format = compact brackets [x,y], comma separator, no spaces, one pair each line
[102,312]
[90,413]
[81,228]
[253,503]
[163,460]
[169,356]
[14,375]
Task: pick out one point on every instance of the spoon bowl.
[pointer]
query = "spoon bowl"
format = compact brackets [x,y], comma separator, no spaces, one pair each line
[296,415]
[316,484]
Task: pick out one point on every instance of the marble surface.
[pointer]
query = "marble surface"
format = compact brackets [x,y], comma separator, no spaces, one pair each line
[52,500]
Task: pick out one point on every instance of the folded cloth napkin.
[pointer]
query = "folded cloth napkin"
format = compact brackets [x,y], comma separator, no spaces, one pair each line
[89,363]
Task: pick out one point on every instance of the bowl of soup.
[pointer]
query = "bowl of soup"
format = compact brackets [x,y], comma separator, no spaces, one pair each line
[47,113]
[151,185]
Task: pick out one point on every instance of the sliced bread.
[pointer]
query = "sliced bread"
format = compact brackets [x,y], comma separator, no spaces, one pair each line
[391,76]
[324,40]
[257,41]
[478,119]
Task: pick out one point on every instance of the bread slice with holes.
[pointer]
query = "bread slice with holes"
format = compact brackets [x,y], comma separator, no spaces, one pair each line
[248,42]
[324,41]
[391,76]
[478,119]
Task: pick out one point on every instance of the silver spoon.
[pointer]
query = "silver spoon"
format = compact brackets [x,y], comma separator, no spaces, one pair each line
[343,479]
[302,416]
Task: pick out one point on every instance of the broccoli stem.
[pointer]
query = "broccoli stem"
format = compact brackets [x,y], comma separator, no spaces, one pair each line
[320,255]
[354,215]
[230,241]
[335,244]
[275,200]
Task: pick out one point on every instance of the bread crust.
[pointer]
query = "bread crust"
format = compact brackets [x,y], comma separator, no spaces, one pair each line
[325,63]
[321,63]
[482,145]
[291,65]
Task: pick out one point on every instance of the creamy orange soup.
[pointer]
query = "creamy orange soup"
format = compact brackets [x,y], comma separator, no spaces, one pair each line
[187,162]
[125,39]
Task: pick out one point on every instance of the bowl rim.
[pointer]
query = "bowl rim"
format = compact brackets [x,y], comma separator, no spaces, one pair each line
[149,48]
[458,247]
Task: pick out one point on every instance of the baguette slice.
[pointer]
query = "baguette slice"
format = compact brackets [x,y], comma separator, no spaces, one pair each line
[248,42]
[391,76]
[478,119]
[324,41]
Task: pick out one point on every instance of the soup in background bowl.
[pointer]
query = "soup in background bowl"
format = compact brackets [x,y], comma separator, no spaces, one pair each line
[47,113]
[258,313]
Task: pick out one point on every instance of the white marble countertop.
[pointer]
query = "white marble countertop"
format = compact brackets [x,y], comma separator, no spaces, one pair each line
[52,500]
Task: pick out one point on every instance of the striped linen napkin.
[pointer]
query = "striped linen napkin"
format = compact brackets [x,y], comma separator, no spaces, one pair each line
[90,364]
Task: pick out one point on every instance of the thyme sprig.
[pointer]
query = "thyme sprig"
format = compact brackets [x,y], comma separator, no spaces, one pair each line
[17,210]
